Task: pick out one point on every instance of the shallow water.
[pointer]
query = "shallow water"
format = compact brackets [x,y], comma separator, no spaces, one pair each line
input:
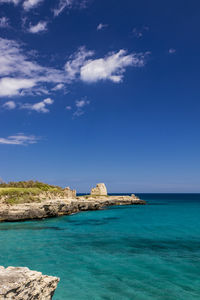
[125,252]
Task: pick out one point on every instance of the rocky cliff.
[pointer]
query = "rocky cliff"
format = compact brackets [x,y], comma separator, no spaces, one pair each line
[24,284]
[59,207]
[45,209]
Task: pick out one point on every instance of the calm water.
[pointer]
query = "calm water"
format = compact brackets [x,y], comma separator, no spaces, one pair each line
[129,252]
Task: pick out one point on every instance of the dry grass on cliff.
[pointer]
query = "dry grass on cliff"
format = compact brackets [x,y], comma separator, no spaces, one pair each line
[17,193]
[29,184]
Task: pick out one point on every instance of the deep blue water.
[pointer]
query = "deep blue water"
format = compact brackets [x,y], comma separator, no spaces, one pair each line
[124,252]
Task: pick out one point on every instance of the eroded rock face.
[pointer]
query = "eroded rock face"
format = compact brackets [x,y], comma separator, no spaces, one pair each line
[24,284]
[70,194]
[46,209]
[99,190]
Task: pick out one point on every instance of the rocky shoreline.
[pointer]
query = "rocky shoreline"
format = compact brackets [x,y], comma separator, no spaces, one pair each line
[65,202]
[22,283]
[60,207]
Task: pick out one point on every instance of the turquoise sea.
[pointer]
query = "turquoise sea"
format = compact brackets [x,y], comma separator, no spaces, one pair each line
[124,252]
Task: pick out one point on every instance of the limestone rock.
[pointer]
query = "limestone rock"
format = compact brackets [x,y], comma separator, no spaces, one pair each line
[46,209]
[24,284]
[68,193]
[135,197]
[99,190]
[60,207]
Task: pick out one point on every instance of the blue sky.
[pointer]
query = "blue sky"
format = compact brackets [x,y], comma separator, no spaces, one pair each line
[101,91]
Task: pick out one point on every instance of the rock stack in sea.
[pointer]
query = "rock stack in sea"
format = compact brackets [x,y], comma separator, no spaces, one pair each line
[99,190]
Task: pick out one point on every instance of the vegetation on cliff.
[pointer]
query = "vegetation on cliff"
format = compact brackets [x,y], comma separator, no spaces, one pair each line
[27,191]
[29,184]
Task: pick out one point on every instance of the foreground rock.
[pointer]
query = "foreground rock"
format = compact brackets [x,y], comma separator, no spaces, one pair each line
[24,284]
[58,207]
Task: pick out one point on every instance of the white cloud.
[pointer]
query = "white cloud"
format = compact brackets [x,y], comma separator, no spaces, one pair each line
[9,105]
[78,113]
[20,74]
[172,51]
[68,107]
[48,101]
[29,4]
[40,107]
[75,62]
[138,33]
[110,67]
[63,4]
[80,104]
[14,86]
[58,87]
[10,1]
[39,27]
[4,22]
[19,139]
[101,26]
